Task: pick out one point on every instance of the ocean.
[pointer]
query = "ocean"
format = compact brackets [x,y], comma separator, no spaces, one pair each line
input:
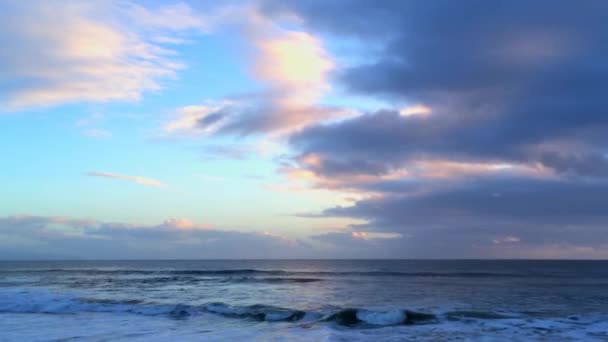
[304,300]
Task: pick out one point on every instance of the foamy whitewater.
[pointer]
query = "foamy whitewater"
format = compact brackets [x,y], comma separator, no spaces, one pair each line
[297,300]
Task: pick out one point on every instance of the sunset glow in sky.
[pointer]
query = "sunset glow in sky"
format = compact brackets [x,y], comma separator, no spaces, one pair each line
[303,129]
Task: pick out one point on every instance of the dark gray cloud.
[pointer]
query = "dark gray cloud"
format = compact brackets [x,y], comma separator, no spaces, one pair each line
[505,81]
[212,118]
[518,82]
[471,218]
[515,82]
[263,117]
[489,200]
[379,142]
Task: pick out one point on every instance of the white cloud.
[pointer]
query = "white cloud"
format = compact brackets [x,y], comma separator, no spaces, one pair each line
[136,179]
[175,17]
[295,62]
[70,51]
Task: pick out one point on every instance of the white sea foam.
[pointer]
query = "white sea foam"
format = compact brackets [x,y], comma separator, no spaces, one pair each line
[392,317]
[44,301]
[24,308]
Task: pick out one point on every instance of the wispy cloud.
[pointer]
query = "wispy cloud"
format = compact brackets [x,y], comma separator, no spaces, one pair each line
[291,64]
[136,179]
[88,51]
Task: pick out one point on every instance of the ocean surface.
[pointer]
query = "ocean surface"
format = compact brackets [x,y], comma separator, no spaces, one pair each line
[304,300]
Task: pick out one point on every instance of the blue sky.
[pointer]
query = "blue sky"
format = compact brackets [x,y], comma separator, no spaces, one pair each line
[398,130]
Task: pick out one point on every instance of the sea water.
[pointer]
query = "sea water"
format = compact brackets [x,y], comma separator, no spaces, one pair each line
[304,300]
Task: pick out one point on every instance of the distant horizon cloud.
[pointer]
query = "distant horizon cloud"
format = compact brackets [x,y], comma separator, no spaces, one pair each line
[28,237]
[43,237]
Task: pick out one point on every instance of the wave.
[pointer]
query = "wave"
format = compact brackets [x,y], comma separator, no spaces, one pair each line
[271,280]
[241,272]
[51,303]
[257,312]
[104,282]
[462,314]
[95,271]
[354,317]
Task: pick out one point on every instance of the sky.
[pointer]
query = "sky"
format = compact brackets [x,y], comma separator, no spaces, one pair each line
[303,129]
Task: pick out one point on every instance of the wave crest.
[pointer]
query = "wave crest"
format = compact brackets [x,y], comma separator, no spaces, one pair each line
[53,303]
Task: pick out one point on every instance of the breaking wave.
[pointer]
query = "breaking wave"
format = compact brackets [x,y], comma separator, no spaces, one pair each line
[52,303]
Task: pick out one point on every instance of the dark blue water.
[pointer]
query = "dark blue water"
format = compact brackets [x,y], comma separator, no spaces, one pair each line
[308,300]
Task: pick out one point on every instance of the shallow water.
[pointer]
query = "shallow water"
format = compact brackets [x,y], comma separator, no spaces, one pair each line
[297,300]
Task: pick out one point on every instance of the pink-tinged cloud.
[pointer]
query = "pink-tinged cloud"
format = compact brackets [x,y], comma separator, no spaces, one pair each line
[296,62]
[66,238]
[137,179]
[89,51]
[292,65]
[374,235]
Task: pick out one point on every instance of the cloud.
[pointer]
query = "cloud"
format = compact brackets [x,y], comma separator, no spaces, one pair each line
[452,243]
[244,118]
[173,17]
[491,89]
[62,237]
[43,237]
[374,235]
[384,141]
[95,51]
[470,217]
[493,142]
[296,61]
[293,67]
[486,199]
[136,179]
[195,120]
[506,239]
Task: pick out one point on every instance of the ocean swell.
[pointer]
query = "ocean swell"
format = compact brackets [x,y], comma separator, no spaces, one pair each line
[262,272]
[48,302]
